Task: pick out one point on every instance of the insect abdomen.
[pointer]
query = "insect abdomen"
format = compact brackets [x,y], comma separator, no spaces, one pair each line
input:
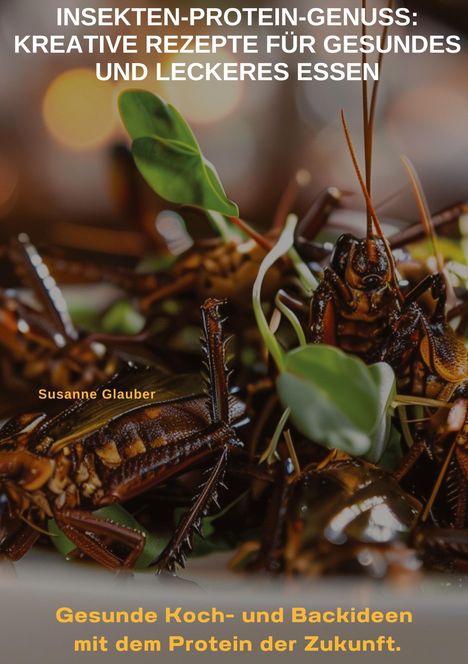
[361,337]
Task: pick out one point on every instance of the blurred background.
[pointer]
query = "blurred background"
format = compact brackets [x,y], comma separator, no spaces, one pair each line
[64,164]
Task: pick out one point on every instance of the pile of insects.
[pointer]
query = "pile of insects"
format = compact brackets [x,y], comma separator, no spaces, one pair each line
[301,406]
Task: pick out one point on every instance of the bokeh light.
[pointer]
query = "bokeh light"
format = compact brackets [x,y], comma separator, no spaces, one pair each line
[204,102]
[431,110]
[171,227]
[78,110]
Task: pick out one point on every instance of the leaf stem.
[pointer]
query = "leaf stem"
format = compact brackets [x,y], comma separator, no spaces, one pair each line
[221,226]
[403,400]
[292,452]
[292,318]
[269,453]
[250,232]
[308,282]
[285,242]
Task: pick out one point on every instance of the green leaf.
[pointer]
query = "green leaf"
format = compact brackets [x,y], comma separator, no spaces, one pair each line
[153,546]
[180,174]
[385,385]
[450,250]
[335,399]
[284,243]
[393,454]
[227,231]
[168,156]
[123,318]
[84,317]
[146,114]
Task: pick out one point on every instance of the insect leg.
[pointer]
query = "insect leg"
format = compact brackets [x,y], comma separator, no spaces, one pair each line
[436,283]
[416,232]
[34,273]
[185,282]
[444,541]
[322,315]
[175,552]
[460,512]
[84,529]
[273,532]
[20,424]
[67,270]
[409,460]
[20,543]
[214,352]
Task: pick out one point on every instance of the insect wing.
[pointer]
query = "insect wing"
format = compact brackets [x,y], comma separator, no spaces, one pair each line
[86,417]
[446,354]
[20,424]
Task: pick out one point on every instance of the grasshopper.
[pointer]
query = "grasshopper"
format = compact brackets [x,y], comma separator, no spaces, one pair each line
[41,346]
[94,454]
[340,514]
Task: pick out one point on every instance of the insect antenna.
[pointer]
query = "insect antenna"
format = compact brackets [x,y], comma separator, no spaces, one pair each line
[374,97]
[35,273]
[368,112]
[214,355]
[369,203]
[438,483]
[367,129]
[35,527]
[423,210]
[360,177]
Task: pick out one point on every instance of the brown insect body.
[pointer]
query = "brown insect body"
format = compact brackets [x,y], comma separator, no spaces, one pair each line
[115,461]
[431,361]
[355,299]
[35,359]
[428,358]
[343,515]
[94,455]
[226,270]
[40,343]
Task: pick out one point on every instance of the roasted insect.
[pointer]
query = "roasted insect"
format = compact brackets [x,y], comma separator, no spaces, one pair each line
[95,454]
[340,515]
[356,298]
[225,270]
[360,307]
[211,268]
[41,346]
[431,361]
[308,509]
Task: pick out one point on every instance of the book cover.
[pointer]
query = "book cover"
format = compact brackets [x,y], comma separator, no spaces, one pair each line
[233,319]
